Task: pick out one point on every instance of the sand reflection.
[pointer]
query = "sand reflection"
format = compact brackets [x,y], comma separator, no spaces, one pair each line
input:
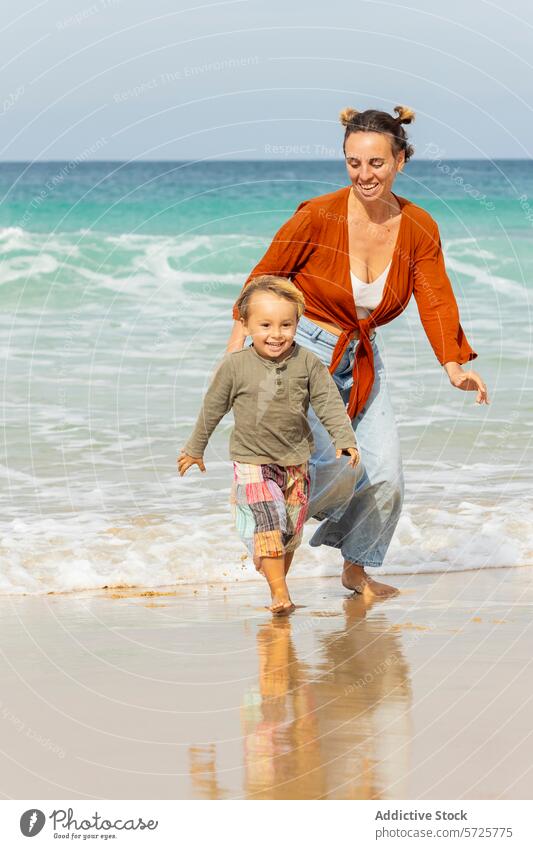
[332,726]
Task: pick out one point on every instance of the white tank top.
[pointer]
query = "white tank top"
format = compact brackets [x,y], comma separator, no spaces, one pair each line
[368,295]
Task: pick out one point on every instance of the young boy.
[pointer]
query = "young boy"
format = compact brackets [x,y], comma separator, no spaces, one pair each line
[270,385]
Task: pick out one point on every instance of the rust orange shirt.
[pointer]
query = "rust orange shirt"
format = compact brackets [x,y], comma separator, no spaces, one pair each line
[312,249]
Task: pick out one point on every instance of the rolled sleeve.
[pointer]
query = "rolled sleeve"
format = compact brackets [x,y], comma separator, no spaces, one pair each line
[435,300]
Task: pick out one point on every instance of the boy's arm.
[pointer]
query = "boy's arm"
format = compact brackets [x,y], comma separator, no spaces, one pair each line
[329,407]
[218,401]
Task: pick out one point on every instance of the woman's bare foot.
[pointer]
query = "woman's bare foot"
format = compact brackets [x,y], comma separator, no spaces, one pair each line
[356,579]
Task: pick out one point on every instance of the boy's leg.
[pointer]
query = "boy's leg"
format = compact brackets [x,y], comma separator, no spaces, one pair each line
[296,505]
[288,560]
[263,491]
[273,569]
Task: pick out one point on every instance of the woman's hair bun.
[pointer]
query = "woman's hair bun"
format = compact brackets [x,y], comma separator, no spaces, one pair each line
[347,115]
[376,121]
[405,114]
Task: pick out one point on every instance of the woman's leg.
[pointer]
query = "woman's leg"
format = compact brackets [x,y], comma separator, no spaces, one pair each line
[360,507]
[365,529]
[332,481]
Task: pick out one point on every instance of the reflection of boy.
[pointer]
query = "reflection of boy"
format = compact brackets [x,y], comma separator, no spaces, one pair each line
[270,385]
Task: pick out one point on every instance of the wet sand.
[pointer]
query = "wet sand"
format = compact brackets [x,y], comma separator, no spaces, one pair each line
[197,693]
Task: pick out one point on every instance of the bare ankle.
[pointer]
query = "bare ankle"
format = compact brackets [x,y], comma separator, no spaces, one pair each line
[280,593]
[353,568]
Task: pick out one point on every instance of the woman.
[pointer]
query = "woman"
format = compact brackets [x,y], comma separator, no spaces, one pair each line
[357,255]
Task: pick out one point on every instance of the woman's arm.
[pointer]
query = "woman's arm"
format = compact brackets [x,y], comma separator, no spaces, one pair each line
[237,338]
[439,314]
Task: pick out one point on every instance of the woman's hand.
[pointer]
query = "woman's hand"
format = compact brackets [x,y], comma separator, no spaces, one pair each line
[468,381]
[185,461]
[354,455]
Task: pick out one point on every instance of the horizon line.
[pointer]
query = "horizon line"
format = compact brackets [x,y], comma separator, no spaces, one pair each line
[222,161]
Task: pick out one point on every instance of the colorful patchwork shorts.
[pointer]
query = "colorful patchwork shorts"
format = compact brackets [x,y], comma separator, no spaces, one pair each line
[269,506]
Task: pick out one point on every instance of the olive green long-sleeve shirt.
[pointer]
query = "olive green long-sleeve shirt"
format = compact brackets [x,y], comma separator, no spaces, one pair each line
[270,400]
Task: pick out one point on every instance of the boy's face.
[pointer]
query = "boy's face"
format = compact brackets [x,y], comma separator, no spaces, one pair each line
[271,323]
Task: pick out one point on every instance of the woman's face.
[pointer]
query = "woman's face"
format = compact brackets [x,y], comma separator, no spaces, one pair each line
[371,164]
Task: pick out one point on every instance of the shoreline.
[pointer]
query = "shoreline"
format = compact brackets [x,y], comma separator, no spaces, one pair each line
[294,575]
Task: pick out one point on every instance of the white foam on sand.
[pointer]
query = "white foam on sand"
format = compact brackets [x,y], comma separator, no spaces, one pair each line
[49,554]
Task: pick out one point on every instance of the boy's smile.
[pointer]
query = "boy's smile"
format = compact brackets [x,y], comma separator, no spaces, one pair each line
[272,322]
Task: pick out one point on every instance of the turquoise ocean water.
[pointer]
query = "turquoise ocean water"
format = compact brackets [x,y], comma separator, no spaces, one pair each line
[116,286]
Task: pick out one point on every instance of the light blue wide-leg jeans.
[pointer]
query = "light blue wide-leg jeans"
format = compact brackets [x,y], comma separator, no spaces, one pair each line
[359,507]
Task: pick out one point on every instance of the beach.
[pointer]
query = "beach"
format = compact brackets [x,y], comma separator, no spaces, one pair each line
[138,660]
[197,693]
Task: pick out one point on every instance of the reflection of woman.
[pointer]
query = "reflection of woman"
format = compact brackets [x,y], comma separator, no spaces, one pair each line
[358,254]
[363,697]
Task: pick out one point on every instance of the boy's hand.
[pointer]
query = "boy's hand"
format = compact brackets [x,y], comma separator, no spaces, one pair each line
[184,461]
[354,455]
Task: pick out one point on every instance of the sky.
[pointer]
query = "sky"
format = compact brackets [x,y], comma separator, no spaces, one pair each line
[249,79]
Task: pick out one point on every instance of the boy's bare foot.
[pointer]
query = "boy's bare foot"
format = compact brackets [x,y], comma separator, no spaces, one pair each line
[356,579]
[282,608]
[274,571]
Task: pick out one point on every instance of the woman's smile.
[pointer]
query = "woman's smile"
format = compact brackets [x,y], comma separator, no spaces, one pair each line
[368,189]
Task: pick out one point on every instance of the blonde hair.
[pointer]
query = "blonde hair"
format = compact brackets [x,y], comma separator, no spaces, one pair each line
[375,121]
[269,283]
